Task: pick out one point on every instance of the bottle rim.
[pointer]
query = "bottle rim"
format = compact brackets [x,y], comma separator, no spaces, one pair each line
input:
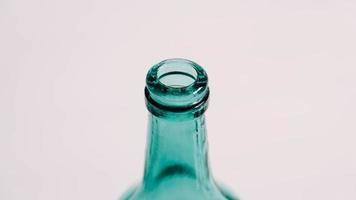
[176,85]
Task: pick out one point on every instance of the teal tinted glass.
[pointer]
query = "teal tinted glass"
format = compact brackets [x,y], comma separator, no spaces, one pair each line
[176,165]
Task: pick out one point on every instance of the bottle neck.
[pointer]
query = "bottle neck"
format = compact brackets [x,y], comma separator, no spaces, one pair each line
[176,149]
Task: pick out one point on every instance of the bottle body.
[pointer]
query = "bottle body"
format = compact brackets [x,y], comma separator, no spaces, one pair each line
[176,165]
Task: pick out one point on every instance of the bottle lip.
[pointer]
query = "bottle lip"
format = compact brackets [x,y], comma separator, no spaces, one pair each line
[176,85]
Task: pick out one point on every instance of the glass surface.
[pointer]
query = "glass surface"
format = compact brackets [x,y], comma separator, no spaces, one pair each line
[176,165]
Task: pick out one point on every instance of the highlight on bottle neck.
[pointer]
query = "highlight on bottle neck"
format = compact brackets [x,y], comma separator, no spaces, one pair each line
[177,86]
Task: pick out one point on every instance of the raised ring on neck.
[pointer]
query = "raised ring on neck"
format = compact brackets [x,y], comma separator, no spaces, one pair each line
[176,85]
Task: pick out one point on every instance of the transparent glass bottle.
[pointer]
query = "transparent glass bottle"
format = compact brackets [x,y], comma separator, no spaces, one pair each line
[176,166]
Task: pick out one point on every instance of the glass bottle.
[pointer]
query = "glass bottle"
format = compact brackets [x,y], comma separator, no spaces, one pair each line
[176,165]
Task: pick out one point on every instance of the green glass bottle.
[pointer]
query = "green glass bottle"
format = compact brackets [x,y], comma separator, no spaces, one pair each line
[176,166]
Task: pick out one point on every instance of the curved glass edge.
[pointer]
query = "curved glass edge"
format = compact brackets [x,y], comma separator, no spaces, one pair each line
[176,96]
[225,191]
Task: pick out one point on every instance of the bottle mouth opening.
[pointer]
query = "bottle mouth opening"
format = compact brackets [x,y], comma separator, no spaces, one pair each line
[176,74]
[176,84]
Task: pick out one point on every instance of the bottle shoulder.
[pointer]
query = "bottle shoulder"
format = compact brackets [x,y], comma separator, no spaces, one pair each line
[179,190]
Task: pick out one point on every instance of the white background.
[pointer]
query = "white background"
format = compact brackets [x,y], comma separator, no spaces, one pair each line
[282,116]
